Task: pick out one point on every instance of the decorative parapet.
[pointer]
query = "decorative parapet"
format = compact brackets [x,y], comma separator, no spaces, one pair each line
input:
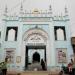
[37,19]
[11,18]
[60,18]
[39,16]
[36,13]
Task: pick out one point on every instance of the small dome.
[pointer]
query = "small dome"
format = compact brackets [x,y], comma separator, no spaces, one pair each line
[35,10]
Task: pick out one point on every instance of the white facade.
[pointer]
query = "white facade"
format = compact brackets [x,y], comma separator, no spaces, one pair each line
[37,32]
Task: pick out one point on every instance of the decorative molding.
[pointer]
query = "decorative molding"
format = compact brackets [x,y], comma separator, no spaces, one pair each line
[18,59]
[35,31]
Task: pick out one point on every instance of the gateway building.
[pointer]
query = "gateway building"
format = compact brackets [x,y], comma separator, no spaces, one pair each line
[35,35]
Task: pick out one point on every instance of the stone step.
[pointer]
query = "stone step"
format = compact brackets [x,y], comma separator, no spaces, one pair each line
[38,73]
[34,73]
[12,73]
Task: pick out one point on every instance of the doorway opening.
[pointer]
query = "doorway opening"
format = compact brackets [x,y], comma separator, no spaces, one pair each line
[36,56]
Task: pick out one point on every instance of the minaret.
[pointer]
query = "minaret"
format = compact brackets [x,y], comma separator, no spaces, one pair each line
[50,10]
[21,9]
[66,11]
[5,11]
[66,14]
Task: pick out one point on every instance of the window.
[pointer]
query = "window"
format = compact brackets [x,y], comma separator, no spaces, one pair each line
[60,33]
[11,33]
[61,55]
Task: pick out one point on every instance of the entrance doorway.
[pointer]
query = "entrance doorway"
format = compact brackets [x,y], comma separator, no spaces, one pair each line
[36,56]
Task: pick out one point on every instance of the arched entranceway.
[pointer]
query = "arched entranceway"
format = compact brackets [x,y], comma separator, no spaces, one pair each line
[35,45]
[36,57]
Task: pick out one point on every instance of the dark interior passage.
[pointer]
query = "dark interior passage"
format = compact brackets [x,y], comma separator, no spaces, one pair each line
[36,57]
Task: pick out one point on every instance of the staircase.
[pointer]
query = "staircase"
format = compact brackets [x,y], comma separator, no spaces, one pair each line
[33,73]
[35,69]
[39,73]
[34,66]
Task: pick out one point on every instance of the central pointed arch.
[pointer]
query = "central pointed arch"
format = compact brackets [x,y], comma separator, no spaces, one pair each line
[35,40]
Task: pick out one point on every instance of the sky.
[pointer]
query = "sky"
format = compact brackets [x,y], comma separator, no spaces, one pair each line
[58,7]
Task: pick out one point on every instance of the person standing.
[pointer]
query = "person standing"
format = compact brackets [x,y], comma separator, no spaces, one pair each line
[43,64]
[70,68]
[1,69]
[4,67]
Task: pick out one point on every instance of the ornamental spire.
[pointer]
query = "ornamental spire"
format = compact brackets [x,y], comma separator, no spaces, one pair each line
[66,14]
[6,9]
[21,8]
[66,11]
[50,9]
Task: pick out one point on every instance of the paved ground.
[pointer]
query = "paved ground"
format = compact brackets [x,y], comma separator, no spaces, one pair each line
[33,73]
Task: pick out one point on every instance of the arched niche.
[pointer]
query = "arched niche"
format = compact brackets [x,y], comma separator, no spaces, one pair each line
[36,57]
[60,34]
[11,35]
